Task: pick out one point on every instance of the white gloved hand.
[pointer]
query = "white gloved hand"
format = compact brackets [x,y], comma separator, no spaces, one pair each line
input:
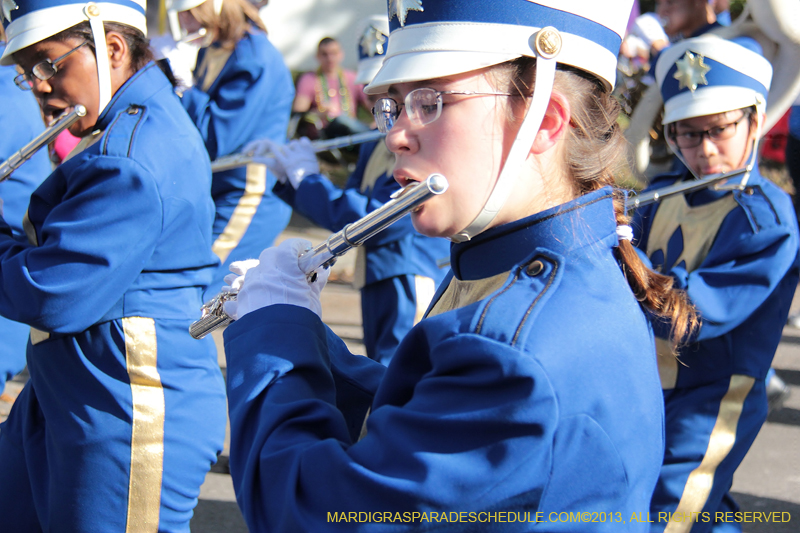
[233,281]
[262,151]
[277,279]
[296,160]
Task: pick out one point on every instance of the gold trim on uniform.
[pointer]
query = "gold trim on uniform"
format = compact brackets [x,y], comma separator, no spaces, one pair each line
[424,289]
[213,62]
[244,211]
[147,435]
[461,293]
[723,437]
[699,226]
[667,364]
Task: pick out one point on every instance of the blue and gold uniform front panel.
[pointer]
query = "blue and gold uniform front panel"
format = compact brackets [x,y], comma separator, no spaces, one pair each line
[396,270]
[466,417]
[736,256]
[19,114]
[124,412]
[241,95]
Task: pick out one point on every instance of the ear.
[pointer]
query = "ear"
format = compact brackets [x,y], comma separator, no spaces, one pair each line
[554,126]
[117,50]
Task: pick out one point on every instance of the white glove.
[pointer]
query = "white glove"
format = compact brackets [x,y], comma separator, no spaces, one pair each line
[277,279]
[233,282]
[262,151]
[296,160]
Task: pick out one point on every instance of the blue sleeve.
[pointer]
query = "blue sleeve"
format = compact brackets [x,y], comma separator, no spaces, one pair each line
[293,461]
[742,269]
[92,245]
[251,99]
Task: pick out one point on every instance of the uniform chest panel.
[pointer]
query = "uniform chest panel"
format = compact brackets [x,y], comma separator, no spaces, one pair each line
[381,162]
[685,233]
[213,62]
[461,293]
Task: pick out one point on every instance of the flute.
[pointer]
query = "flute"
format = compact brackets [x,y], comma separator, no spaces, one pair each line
[244,158]
[641,200]
[325,254]
[46,137]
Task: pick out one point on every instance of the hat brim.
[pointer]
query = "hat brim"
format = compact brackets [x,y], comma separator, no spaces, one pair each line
[708,101]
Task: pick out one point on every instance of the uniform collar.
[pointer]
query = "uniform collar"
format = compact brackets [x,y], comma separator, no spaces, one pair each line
[132,92]
[562,229]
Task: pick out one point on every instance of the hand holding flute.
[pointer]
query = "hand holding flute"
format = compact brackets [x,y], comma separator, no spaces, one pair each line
[314,261]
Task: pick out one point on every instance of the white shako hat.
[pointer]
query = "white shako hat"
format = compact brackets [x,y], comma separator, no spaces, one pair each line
[176,6]
[28,22]
[372,44]
[708,75]
[437,38]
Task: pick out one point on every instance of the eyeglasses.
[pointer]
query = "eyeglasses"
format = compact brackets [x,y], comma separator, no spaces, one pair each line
[423,106]
[43,70]
[693,139]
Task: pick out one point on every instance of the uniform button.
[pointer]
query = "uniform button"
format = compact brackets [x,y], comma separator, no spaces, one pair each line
[133,110]
[535,268]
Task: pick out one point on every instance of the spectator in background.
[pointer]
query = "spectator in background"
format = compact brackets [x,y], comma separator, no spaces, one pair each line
[329,98]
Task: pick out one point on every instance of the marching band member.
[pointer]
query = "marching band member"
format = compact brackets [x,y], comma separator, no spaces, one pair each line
[734,250]
[20,114]
[396,270]
[242,91]
[124,412]
[532,384]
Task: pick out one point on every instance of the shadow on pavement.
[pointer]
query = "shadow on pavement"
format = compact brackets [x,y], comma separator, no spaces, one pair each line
[212,516]
[751,503]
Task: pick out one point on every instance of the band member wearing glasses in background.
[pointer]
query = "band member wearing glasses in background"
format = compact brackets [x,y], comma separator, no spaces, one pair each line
[396,270]
[124,412]
[734,250]
[242,91]
[20,122]
[532,383]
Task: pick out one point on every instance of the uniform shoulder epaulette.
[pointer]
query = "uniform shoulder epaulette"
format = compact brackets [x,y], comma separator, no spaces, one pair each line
[119,137]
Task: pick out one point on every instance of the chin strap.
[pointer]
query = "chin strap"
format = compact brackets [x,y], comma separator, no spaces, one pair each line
[92,11]
[547,44]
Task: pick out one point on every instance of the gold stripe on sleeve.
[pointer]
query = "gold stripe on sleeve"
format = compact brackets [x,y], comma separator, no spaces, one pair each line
[243,213]
[147,435]
[723,437]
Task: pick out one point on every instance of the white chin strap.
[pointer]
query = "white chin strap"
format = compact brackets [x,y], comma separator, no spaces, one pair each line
[548,39]
[92,11]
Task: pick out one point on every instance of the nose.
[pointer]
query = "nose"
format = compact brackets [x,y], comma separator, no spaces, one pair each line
[707,146]
[40,87]
[400,138]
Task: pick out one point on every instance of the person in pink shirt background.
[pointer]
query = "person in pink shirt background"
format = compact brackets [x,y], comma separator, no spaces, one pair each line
[329,97]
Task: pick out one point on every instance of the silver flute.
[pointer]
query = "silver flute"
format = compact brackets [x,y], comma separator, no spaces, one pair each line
[641,200]
[325,254]
[244,158]
[46,137]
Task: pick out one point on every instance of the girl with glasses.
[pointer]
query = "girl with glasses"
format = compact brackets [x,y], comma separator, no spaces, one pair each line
[530,388]
[242,91]
[734,249]
[124,412]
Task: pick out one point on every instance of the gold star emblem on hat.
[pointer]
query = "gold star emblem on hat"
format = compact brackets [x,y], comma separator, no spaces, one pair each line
[8,7]
[402,7]
[372,42]
[691,71]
